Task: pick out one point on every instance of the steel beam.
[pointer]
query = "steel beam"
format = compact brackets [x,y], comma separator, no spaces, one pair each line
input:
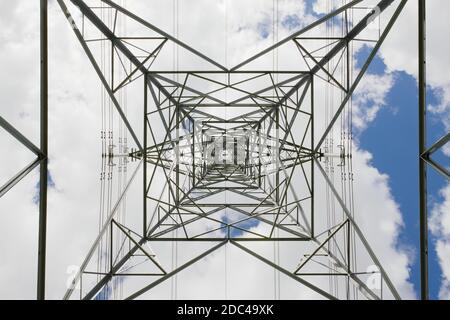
[358,231]
[104,229]
[144,157]
[423,203]
[42,238]
[157,30]
[20,137]
[298,33]
[363,69]
[438,167]
[179,203]
[285,272]
[88,52]
[18,177]
[438,145]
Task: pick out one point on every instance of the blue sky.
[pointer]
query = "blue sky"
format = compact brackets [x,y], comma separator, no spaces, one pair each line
[393,141]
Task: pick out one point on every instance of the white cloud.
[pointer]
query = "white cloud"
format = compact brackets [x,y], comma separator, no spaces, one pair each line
[370,98]
[440,227]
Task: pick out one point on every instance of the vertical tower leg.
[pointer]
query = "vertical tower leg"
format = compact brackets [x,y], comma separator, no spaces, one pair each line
[44,160]
[144,157]
[422,150]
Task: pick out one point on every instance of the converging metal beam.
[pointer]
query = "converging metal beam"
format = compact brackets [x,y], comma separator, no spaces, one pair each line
[164,34]
[358,230]
[96,66]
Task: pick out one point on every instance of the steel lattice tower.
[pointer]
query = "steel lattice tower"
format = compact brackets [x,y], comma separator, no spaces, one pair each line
[224,150]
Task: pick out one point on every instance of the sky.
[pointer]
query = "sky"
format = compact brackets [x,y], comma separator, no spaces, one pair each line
[395,125]
[385,128]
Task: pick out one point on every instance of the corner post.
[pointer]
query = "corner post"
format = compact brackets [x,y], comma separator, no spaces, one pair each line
[44,151]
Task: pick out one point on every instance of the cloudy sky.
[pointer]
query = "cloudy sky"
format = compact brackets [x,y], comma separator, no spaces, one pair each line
[385,146]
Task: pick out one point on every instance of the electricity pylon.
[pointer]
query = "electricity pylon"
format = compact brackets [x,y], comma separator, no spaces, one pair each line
[235,155]
[229,155]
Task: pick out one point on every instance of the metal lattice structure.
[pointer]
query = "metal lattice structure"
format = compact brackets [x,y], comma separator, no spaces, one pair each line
[231,155]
